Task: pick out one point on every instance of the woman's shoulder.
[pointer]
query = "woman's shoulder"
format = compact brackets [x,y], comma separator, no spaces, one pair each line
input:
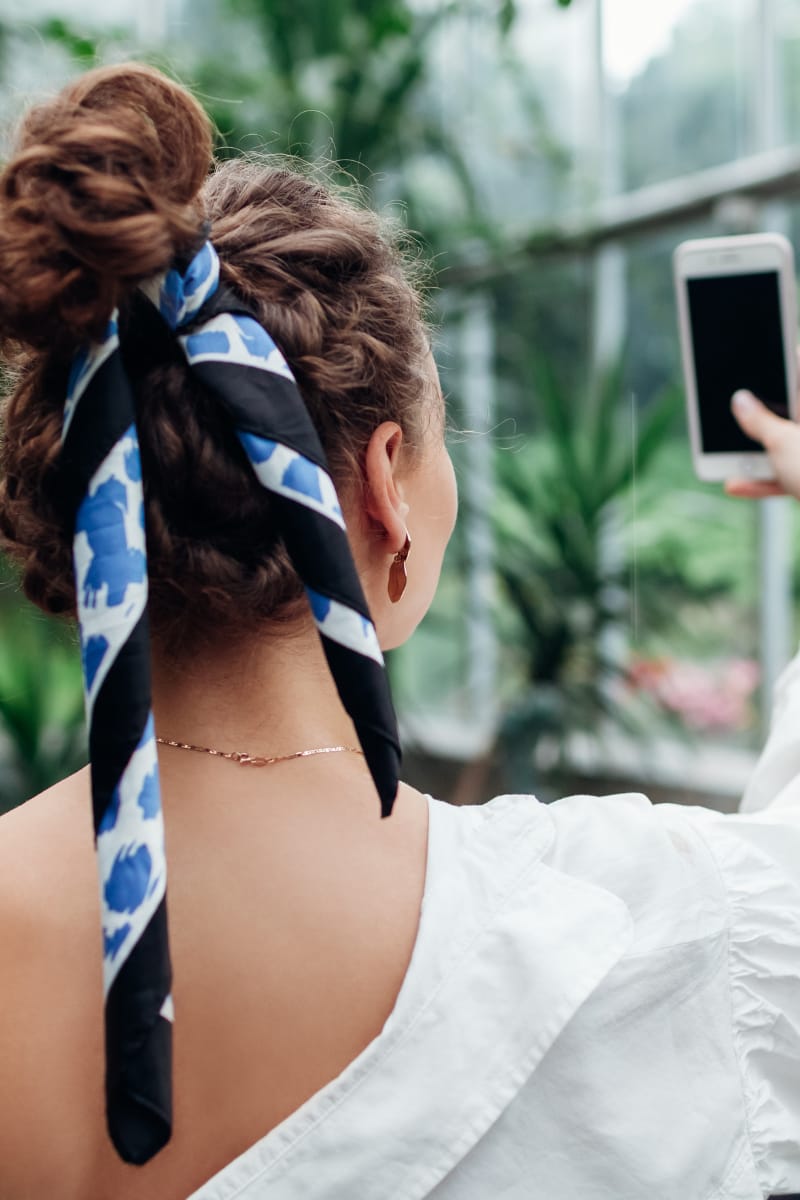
[46,856]
[44,844]
[66,800]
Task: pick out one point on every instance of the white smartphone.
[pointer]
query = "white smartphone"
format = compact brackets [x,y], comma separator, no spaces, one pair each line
[737,314]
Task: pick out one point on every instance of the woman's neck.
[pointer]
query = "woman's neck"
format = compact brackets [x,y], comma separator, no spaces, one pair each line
[268,696]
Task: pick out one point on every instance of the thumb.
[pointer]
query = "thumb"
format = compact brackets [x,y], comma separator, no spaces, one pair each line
[757,421]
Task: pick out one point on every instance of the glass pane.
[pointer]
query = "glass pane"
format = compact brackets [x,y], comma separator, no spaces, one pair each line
[516,105]
[684,72]
[787,22]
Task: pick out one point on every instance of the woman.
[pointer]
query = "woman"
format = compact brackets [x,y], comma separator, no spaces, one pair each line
[595,998]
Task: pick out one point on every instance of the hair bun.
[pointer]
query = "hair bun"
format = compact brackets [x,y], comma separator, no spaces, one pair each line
[100,193]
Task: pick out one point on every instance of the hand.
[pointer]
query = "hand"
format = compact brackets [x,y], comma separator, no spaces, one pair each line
[781,440]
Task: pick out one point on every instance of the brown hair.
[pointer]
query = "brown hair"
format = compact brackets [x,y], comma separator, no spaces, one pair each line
[109,182]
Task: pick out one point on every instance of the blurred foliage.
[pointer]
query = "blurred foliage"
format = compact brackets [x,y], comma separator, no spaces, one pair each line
[355,87]
[562,563]
[42,736]
[335,74]
[550,301]
[82,47]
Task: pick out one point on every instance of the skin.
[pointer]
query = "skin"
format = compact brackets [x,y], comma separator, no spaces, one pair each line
[293,908]
[781,440]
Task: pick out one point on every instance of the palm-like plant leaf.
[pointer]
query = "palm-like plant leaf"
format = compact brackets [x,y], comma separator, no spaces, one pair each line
[553,505]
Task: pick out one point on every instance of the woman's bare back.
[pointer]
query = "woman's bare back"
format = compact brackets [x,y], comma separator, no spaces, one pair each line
[293,914]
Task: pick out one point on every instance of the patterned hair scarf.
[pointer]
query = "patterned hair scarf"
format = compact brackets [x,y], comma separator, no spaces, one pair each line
[234,357]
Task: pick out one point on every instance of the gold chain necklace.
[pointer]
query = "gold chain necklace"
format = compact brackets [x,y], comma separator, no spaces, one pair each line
[255,760]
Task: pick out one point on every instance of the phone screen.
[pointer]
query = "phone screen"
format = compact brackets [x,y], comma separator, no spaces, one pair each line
[737,340]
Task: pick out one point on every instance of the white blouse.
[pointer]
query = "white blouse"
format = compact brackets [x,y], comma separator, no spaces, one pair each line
[603,1002]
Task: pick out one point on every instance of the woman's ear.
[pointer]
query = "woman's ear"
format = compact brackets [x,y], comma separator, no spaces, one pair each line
[384,503]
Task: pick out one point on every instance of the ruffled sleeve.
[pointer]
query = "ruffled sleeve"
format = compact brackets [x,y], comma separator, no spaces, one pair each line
[752,856]
[775,782]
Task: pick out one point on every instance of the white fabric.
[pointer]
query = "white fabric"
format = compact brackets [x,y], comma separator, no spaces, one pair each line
[603,1002]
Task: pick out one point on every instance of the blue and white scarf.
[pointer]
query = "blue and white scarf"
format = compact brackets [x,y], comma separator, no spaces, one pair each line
[235,359]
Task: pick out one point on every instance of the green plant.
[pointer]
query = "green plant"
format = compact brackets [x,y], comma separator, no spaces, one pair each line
[355,86]
[42,736]
[563,574]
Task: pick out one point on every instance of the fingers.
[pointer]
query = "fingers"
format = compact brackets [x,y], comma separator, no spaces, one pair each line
[757,421]
[753,489]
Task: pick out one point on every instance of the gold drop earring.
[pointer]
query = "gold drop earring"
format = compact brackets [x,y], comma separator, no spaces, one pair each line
[397,572]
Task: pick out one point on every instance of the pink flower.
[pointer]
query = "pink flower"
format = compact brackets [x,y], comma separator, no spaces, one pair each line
[705,697]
